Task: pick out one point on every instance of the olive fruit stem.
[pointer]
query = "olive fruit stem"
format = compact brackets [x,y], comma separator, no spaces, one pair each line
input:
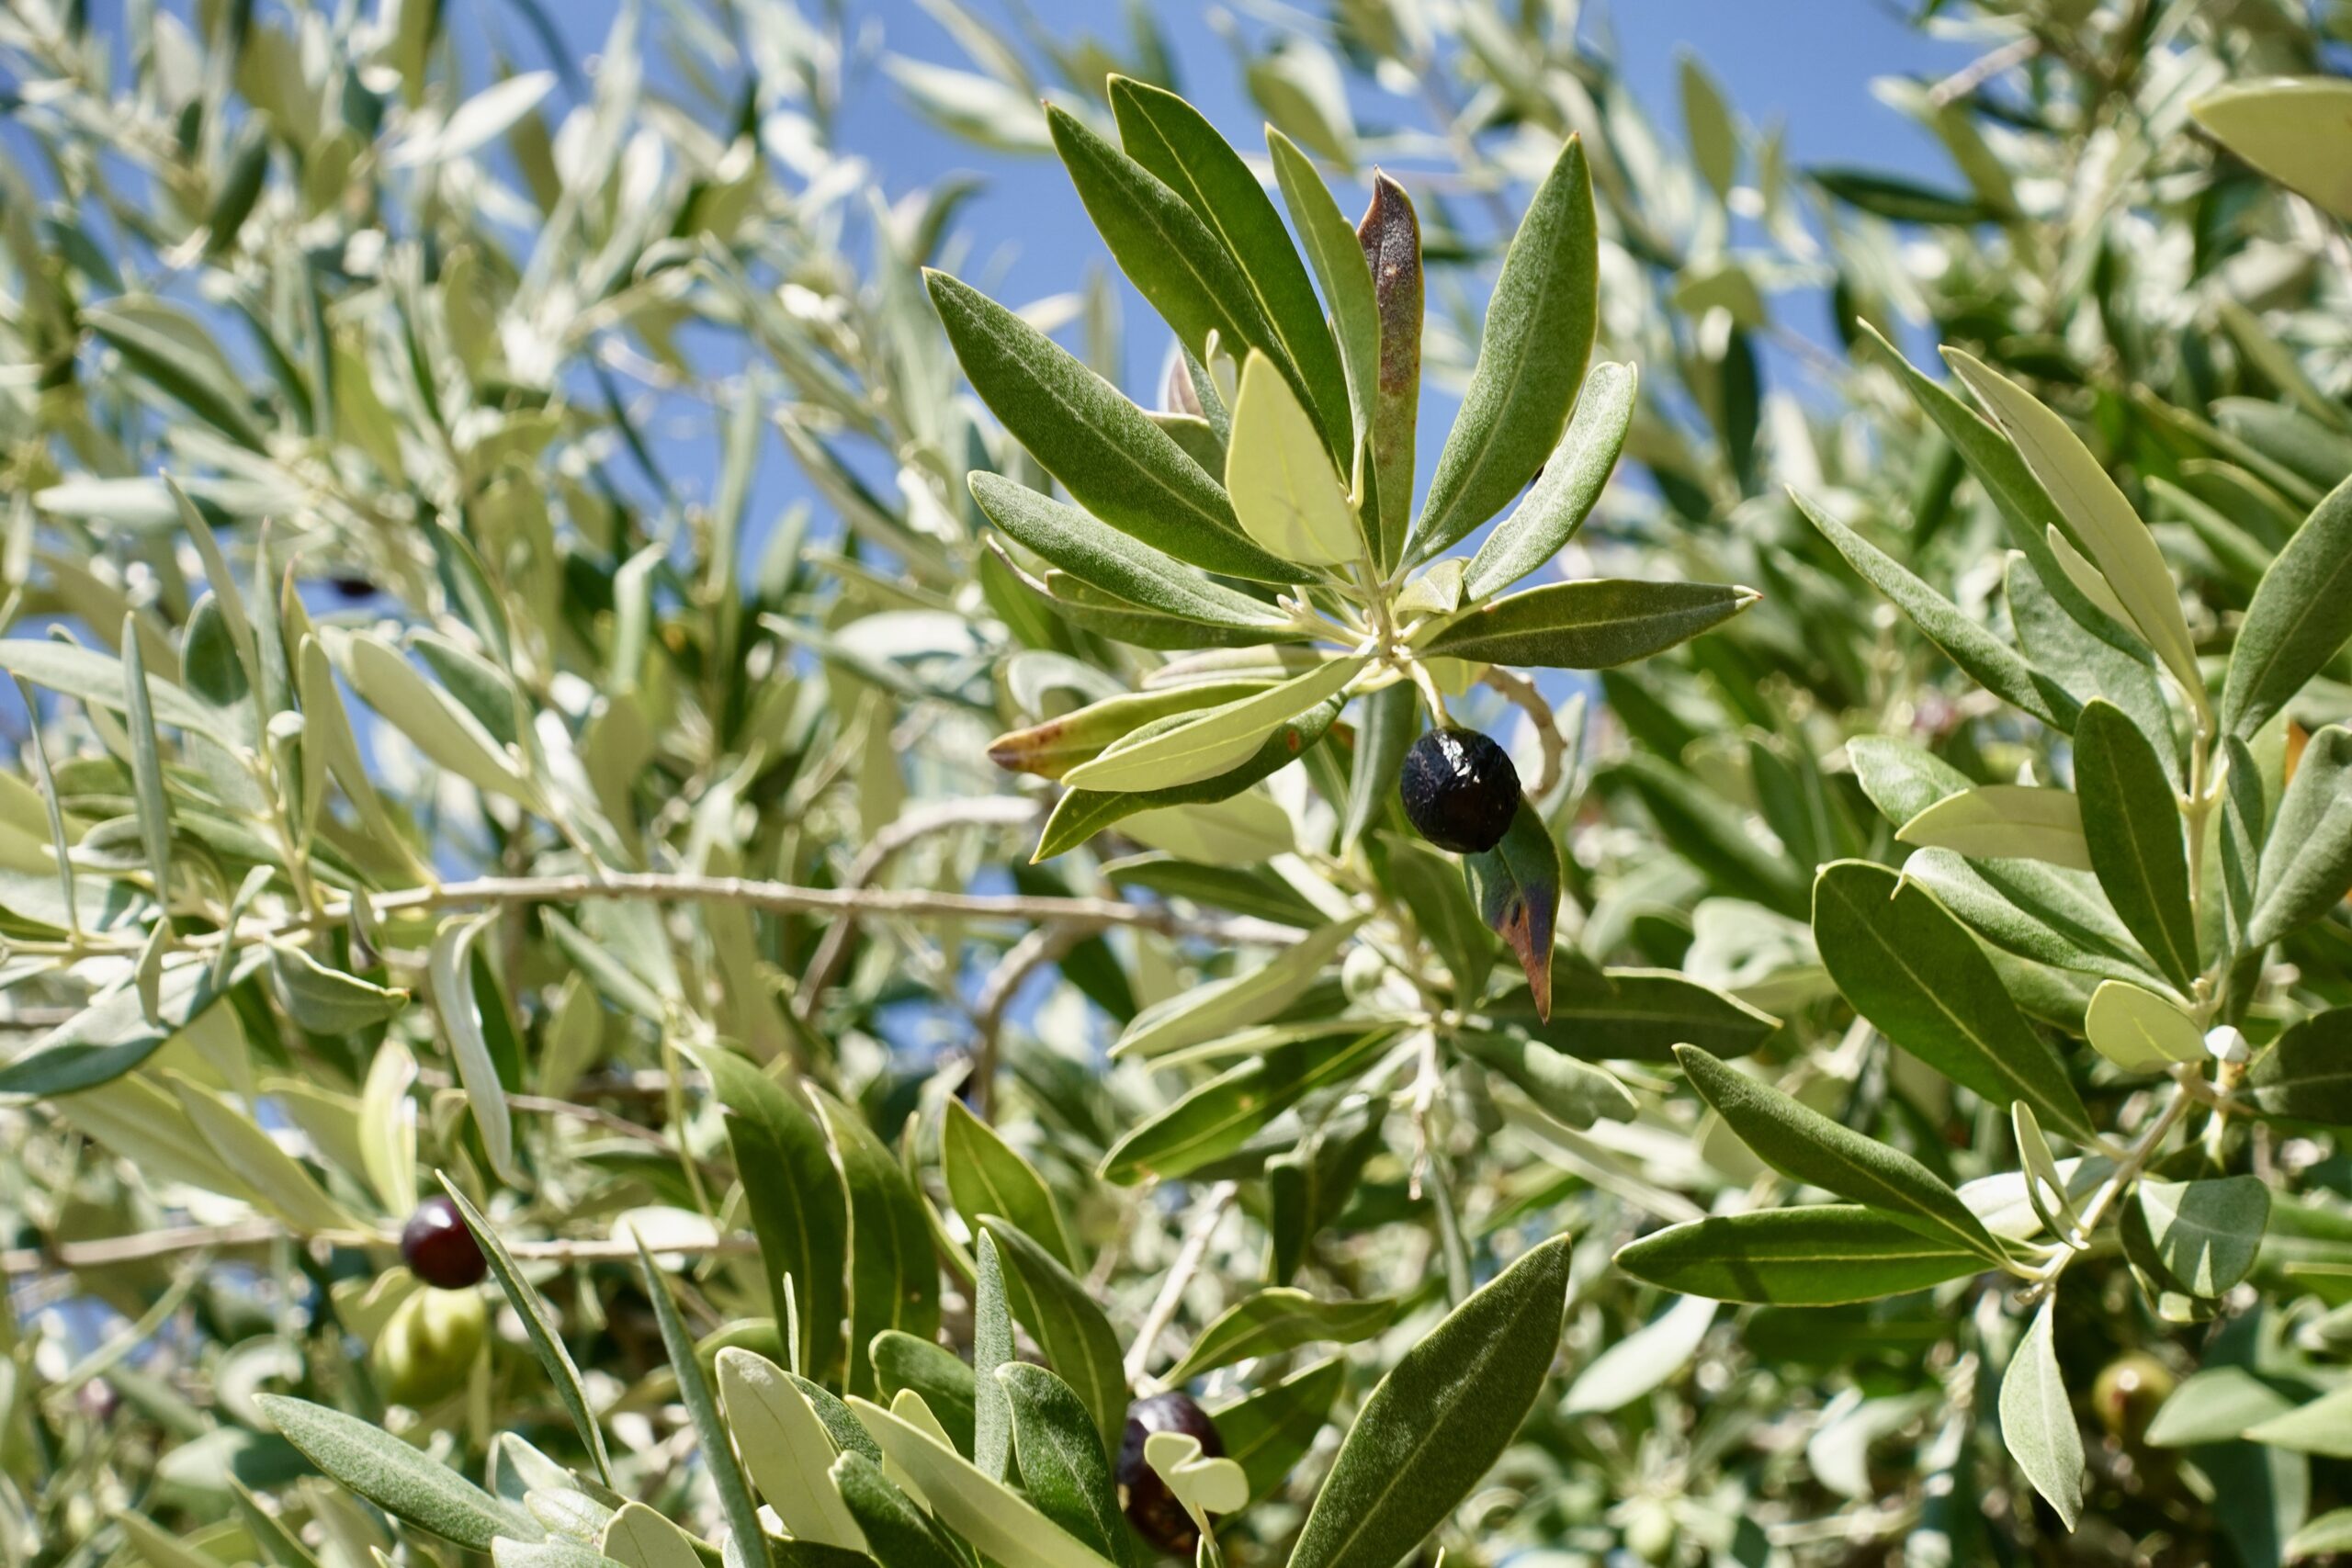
[1520,691]
[1427,684]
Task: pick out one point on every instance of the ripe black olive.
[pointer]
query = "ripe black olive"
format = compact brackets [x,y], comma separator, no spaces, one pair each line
[1460,790]
[439,1249]
[1158,1516]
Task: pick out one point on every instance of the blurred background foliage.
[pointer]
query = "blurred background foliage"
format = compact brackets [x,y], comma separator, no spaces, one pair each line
[570,486]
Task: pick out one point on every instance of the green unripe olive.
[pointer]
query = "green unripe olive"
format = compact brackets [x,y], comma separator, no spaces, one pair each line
[2127,1394]
[429,1346]
[1649,1532]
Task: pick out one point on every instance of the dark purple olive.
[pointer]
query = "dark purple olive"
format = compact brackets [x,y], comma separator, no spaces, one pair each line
[439,1249]
[352,587]
[1158,1516]
[1460,790]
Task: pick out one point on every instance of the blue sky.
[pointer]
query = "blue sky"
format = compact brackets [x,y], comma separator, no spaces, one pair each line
[1807,65]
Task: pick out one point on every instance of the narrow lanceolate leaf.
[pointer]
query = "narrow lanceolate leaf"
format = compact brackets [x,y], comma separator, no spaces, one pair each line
[449,968]
[799,1210]
[1596,624]
[2118,543]
[2140,1031]
[2054,639]
[785,1447]
[1530,359]
[987,1175]
[1804,1145]
[1088,608]
[2298,619]
[742,1516]
[2307,864]
[1064,1467]
[2007,821]
[2052,917]
[1190,1016]
[2306,1076]
[1171,256]
[1390,235]
[1346,277]
[2297,130]
[1517,887]
[1636,1015]
[1115,462]
[147,770]
[1169,137]
[1822,1256]
[1642,1361]
[2321,1426]
[1201,746]
[1002,1525]
[1280,1319]
[397,1476]
[1093,552]
[1991,663]
[1054,1306]
[2037,1421]
[2245,825]
[991,1348]
[1083,813]
[1222,1115]
[540,1326]
[432,719]
[2024,506]
[120,1030]
[1438,1420]
[1052,749]
[1548,516]
[893,1269]
[1386,722]
[2132,827]
[94,678]
[1279,477]
[1914,971]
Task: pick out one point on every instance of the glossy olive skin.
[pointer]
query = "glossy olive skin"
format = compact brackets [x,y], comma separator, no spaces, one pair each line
[439,1249]
[1158,1516]
[1460,790]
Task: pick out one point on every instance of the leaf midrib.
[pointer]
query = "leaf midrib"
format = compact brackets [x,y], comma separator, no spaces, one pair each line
[2311,602]
[1008,347]
[1366,1517]
[1212,217]
[1475,461]
[2161,911]
[2000,1064]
